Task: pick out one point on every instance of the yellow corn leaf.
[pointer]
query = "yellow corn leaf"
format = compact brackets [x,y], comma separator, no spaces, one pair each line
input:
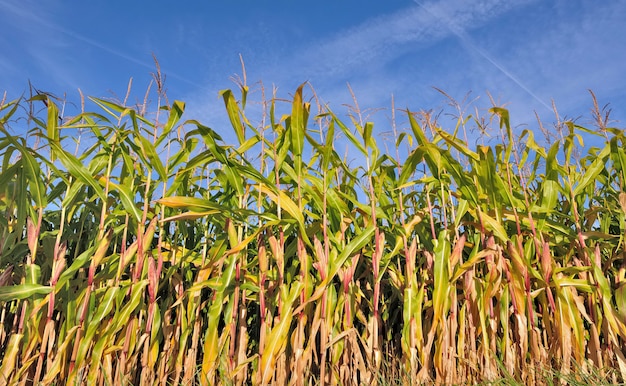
[494,226]
[191,215]
[55,368]
[276,341]
[10,355]
[284,201]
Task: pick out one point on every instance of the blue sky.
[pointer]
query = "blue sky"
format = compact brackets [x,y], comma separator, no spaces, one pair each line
[525,53]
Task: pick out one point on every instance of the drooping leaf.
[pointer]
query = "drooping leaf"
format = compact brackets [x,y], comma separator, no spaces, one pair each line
[22,291]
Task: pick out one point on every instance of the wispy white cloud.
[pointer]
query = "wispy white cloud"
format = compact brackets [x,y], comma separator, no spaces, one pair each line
[538,58]
[361,54]
[584,51]
[46,39]
[470,45]
[378,41]
[386,55]
[558,56]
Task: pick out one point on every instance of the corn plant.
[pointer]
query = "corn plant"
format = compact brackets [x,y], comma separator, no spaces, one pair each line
[154,251]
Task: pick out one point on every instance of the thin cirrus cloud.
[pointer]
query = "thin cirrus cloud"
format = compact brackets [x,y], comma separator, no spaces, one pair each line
[368,54]
[52,47]
[380,40]
[527,55]
[384,56]
[469,44]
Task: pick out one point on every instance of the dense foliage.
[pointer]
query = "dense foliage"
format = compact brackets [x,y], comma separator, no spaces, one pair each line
[150,250]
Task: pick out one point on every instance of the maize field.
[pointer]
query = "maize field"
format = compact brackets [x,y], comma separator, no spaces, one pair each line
[140,248]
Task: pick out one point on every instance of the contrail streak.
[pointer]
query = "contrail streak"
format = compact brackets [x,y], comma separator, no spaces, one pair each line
[73,34]
[470,45]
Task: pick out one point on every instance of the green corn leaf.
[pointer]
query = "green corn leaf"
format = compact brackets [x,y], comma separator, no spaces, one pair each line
[210,140]
[22,291]
[454,142]
[105,305]
[77,169]
[119,111]
[96,358]
[441,278]
[211,343]
[418,132]
[109,107]
[191,215]
[234,177]
[53,121]
[410,165]
[592,172]
[248,144]
[150,153]
[367,135]
[127,198]
[348,133]
[580,284]
[32,274]
[550,195]
[32,169]
[176,112]
[504,119]
[299,116]
[192,203]
[13,105]
[494,226]
[234,114]
[461,177]
[123,316]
